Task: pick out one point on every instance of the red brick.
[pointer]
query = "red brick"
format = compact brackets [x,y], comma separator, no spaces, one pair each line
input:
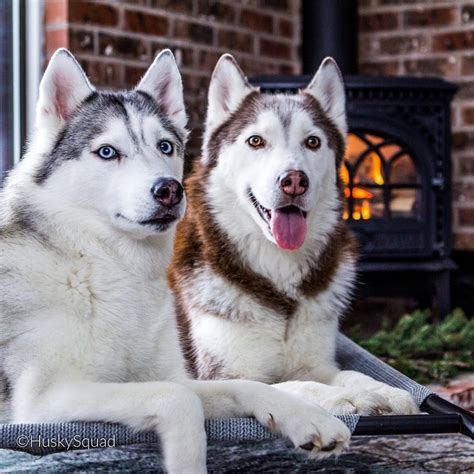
[56,39]
[285,69]
[256,20]
[378,22]
[430,17]
[453,41]
[463,192]
[467,65]
[104,74]
[462,140]
[465,91]
[282,5]
[466,167]
[464,240]
[446,67]
[133,74]
[81,41]
[184,56]
[275,49]
[139,22]
[395,2]
[253,66]
[403,44]
[121,46]
[55,11]
[194,31]
[466,216]
[179,6]
[232,39]
[86,12]
[217,10]
[369,48]
[286,28]
[467,13]
[387,68]
[467,114]
[206,60]
[195,84]
[136,2]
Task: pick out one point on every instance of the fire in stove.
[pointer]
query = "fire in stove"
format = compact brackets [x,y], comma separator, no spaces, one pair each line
[379,177]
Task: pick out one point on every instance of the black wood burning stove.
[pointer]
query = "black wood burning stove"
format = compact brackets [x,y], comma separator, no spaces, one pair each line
[397,168]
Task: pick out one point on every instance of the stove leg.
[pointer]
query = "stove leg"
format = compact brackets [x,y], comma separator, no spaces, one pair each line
[442,284]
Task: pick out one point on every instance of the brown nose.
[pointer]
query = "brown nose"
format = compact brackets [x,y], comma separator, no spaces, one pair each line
[294,183]
[167,191]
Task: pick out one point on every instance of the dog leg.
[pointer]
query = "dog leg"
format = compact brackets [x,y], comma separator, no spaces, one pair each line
[398,401]
[306,425]
[173,411]
[337,400]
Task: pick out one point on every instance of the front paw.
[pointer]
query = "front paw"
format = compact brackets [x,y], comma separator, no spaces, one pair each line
[313,430]
[361,402]
[400,402]
[379,399]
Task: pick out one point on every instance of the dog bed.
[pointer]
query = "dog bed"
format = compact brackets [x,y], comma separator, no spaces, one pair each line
[441,417]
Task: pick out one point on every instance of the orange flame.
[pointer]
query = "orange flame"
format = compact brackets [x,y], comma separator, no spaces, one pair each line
[362,210]
[376,169]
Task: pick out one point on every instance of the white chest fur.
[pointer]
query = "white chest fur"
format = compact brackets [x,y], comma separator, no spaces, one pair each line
[269,347]
[93,313]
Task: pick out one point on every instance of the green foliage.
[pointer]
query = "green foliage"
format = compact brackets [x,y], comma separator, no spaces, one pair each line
[426,352]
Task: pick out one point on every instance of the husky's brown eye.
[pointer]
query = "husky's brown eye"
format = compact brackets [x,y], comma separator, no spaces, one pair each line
[313,142]
[256,141]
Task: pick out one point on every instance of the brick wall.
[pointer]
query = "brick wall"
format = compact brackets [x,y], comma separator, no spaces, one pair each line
[430,38]
[115,41]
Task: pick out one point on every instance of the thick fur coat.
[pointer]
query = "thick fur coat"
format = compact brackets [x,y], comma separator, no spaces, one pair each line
[264,265]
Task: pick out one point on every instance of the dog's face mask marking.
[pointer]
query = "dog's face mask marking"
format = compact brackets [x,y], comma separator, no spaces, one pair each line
[283,151]
[125,149]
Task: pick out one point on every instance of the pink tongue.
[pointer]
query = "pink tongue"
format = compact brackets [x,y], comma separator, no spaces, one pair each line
[288,228]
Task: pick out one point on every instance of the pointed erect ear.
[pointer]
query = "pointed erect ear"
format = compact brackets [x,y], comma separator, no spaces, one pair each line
[163,82]
[227,90]
[327,87]
[63,87]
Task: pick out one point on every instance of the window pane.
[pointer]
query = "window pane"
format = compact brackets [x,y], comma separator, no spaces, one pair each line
[6,92]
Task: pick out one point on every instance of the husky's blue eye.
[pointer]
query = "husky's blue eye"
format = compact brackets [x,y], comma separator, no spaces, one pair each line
[166,147]
[107,152]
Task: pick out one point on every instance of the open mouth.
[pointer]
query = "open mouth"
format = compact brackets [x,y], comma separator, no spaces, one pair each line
[287,224]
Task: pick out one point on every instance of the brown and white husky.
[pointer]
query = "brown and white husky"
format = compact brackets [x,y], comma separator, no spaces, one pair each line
[264,265]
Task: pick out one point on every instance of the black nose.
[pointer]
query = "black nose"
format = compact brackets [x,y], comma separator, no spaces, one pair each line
[167,191]
[294,183]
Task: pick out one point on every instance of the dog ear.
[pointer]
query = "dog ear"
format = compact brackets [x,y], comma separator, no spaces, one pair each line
[62,89]
[163,82]
[327,87]
[227,90]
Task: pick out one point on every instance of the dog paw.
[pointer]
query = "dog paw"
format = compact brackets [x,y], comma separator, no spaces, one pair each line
[384,400]
[378,399]
[314,431]
[362,402]
[400,402]
[338,400]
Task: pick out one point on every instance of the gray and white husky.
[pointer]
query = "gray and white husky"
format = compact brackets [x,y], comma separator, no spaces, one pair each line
[87,321]
[264,264]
